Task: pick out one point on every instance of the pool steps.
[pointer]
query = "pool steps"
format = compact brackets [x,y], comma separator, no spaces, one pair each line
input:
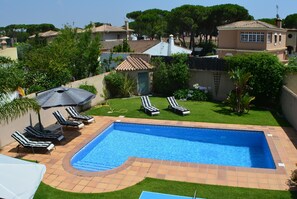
[89,166]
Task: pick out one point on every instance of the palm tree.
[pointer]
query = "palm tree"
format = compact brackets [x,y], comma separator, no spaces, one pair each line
[239,99]
[10,110]
[10,79]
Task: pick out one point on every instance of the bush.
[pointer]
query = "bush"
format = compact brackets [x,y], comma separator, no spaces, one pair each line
[89,88]
[238,99]
[119,85]
[181,94]
[208,48]
[191,94]
[267,75]
[170,76]
[292,65]
[128,87]
[199,95]
[114,82]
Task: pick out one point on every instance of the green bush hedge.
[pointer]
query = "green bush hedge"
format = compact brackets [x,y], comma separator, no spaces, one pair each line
[89,88]
[267,75]
[171,75]
[191,94]
[119,85]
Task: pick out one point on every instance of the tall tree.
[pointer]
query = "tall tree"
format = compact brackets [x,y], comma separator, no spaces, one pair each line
[70,56]
[186,19]
[268,20]
[221,15]
[291,21]
[23,31]
[150,22]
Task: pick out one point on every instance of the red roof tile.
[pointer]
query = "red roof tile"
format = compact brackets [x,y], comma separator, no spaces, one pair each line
[133,64]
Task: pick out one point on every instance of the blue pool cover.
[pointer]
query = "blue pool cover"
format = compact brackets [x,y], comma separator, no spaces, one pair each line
[154,195]
[120,141]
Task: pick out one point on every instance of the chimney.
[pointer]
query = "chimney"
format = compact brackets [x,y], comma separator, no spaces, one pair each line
[278,22]
[127,29]
[170,45]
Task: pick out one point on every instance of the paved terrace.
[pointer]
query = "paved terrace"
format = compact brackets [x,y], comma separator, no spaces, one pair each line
[62,176]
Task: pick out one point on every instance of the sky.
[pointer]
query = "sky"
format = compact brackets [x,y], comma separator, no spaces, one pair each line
[79,13]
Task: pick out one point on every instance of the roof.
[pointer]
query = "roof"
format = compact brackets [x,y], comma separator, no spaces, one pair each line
[49,33]
[138,46]
[252,24]
[133,64]
[108,28]
[161,49]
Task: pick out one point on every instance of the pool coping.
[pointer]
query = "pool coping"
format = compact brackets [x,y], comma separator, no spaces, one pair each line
[68,167]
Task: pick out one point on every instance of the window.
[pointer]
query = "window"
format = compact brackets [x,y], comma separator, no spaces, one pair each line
[257,37]
[280,38]
[244,37]
[290,36]
[275,38]
[269,37]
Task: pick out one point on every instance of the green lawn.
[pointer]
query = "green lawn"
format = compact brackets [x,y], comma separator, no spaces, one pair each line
[200,112]
[171,187]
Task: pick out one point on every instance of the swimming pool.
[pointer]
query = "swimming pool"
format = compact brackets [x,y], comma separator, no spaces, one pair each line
[120,141]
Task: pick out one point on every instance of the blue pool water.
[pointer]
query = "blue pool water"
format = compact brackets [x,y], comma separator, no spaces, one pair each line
[120,141]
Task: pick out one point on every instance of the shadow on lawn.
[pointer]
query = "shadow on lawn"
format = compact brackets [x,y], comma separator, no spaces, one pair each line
[224,110]
[280,119]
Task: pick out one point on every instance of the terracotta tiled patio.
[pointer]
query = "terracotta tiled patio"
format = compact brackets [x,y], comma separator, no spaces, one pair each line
[61,175]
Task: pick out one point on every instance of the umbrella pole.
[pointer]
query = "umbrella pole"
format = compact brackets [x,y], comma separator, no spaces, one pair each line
[39,118]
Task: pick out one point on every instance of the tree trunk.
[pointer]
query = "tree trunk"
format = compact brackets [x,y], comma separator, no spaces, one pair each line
[192,41]
[182,41]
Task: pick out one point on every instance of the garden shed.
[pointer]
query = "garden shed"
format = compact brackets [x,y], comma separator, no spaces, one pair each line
[140,70]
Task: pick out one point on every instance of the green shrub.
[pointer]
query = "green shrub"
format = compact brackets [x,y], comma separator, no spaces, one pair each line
[208,48]
[199,95]
[114,82]
[129,86]
[181,94]
[35,88]
[267,75]
[170,76]
[292,65]
[89,88]
[119,85]
[160,77]
[238,99]
[191,94]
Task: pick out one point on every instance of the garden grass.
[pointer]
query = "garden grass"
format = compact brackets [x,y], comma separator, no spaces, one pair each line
[200,112]
[169,187]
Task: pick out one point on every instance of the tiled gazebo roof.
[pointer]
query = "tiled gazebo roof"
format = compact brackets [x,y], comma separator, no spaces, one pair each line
[133,64]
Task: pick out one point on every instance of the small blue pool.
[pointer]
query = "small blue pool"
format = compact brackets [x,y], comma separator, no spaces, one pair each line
[120,141]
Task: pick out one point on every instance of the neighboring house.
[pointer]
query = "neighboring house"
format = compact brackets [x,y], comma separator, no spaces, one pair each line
[166,49]
[10,53]
[109,60]
[292,41]
[107,33]
[151,47]
[136,46]
[252,36]
[138,69]
[48,35]
[112,33]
